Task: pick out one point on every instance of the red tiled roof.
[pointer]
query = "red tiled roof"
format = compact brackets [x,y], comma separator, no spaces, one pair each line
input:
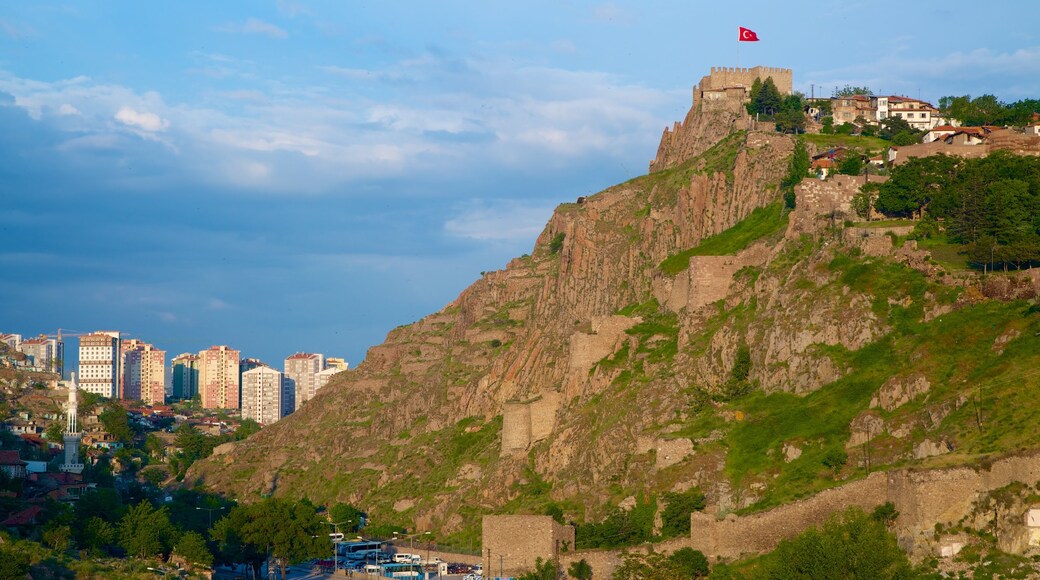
[11,458]
[301,355]
[24,517]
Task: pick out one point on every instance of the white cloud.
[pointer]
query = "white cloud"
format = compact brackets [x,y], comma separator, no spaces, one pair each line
[254,26]
[271,137]
[15,31]
[949,73]
[610,12]
[507,221]
[141,119]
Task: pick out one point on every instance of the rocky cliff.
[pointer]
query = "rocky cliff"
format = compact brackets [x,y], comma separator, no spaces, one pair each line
[622,357]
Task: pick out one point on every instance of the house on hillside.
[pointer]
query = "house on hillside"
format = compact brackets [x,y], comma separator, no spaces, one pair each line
[959,135]
[12,464]
[921,115]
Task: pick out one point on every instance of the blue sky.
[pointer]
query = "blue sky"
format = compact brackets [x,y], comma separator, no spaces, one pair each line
[304,176]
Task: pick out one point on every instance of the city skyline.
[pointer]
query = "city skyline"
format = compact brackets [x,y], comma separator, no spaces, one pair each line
[305,176]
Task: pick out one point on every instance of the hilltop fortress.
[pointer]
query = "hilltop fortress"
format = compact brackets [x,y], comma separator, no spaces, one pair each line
[734,84]
[718,110]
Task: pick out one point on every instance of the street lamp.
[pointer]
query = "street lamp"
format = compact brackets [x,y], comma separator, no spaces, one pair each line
[429,538]
[210,511]
[336,539]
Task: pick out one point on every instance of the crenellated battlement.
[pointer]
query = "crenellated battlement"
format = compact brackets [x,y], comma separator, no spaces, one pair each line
[754,70]
[727,82]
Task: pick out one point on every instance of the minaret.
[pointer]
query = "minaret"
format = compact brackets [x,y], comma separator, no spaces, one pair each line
[72,435]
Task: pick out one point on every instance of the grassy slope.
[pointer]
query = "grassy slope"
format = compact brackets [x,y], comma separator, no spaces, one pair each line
[761,223]
[857,141]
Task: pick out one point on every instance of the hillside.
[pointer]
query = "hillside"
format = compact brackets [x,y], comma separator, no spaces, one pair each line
[678,330]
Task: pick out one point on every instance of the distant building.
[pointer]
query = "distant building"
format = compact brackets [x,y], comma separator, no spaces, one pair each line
[302,369]
[143,375]
[336,363]
[218,378]
[264,395]
[11,340]
[921,115]
[185,381]
[324,376]
[47,354]
[99,367]
[12,465]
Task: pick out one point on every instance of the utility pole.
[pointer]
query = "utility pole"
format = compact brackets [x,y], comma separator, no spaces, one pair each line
[501,566]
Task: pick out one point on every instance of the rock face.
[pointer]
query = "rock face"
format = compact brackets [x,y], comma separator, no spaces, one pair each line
[537,344]
[571,376]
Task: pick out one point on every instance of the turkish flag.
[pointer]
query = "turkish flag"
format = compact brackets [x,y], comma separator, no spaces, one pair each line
[747,35]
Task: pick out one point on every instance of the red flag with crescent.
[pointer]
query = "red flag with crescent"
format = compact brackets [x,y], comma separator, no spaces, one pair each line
[747,35]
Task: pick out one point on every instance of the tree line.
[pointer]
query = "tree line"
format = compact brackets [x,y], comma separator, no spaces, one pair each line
[991,205]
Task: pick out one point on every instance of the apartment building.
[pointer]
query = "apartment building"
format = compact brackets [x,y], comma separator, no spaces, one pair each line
[302,370]
[99,367]
[264,395]
[218,377]
[47,354]
[143,375]
[185,382]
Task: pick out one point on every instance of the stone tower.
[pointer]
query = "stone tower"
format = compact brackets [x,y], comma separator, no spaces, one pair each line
[72,435]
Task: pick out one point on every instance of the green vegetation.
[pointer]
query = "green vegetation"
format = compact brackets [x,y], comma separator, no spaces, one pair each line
[987,110]
[761,223]
[620,528]
[797,170]
[683,563]
[556,244]
[988,205]
[787,111]
[580,570]
[850,545]
[860,142]
[675,517]
[663,186]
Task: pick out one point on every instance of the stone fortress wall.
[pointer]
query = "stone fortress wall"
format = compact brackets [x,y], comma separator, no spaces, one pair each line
[923,498]
[513,543]
[524,423]
[715,85]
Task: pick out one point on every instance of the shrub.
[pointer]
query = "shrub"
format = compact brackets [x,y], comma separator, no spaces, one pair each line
[556,244]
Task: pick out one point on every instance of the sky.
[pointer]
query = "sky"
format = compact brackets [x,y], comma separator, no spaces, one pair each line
[303,176]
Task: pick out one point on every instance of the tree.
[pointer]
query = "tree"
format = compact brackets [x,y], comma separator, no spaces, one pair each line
[797,169]
[768,99]
[13,565]
[580,570]
[689,563]
[154,446]
[246,428]
[102,502]
[145,531]
[347,516]
[851,164]
[114,420]
[851,91]
[192,547]
[231,548]
[96,536]
[290,531]
[850,545]
[543,570]
[675,517]
[55,431]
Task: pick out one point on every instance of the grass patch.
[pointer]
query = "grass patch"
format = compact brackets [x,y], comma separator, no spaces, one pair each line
[946,254]
[827,141]
[761,223]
